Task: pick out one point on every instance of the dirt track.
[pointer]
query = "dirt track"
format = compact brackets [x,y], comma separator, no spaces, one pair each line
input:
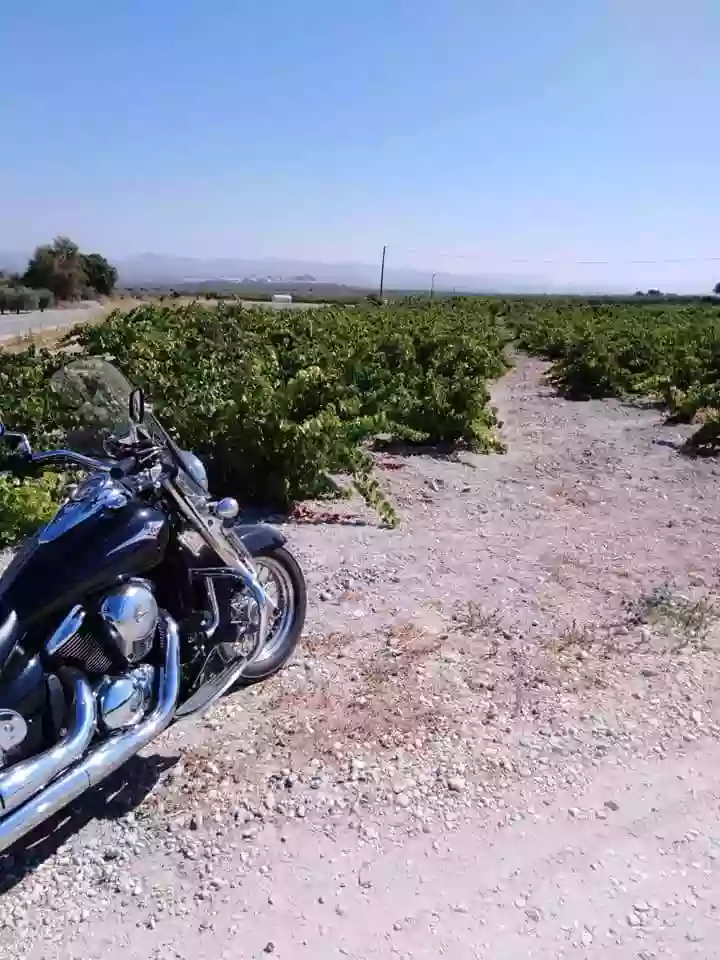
[501,738]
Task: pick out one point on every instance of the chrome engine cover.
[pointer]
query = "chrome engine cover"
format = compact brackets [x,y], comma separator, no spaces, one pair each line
[13,730]
[130,613]
[124,701]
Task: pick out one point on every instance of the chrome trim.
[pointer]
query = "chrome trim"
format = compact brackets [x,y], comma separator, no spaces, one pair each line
[107,757]
[69,456]
[131,614]
[237,563]
[23,780]
[13,730]
[68,627]
[124,701]
[210,630]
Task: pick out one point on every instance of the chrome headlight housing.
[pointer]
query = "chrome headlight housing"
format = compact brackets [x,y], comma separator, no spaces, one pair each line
[195,469]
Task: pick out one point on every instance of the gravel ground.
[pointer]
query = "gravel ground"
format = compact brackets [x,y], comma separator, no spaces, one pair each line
[501,734]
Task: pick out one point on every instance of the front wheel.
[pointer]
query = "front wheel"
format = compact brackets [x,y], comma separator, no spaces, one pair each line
[283,580]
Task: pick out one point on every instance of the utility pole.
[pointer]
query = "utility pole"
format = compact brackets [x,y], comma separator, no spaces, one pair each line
[432,286]
[382,271]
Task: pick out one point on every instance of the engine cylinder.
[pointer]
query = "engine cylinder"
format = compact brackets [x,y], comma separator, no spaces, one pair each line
[130,614]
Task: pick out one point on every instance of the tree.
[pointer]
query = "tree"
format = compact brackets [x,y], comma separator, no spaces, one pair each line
[101,275]
[57,267]
[716,289]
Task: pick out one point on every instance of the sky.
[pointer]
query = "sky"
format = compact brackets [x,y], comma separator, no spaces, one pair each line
[466,135]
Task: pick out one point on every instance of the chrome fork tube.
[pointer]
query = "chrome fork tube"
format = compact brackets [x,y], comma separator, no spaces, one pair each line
[227,552]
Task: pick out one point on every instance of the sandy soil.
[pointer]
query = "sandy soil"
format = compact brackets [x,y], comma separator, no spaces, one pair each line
[500,738]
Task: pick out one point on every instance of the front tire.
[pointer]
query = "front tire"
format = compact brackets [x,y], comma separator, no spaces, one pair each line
[279,572]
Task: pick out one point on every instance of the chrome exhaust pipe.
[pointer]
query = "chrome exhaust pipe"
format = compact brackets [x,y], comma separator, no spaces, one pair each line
[21,782]
[107,757]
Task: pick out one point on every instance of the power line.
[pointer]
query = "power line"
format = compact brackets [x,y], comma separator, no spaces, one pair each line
[556,261]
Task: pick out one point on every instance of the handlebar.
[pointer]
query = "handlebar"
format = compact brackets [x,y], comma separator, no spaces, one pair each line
[70,456]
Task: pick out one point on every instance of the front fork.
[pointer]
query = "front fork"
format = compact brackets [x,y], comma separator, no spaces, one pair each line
[232,552]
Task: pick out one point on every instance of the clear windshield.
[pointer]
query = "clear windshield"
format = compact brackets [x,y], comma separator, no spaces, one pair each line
[92,399]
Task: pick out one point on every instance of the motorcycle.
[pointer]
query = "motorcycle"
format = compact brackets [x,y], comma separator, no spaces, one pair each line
[142,601]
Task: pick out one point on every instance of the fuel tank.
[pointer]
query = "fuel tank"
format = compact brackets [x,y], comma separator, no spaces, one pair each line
[82,550]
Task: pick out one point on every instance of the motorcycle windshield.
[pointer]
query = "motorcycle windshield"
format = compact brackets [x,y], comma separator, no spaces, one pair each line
[92,398]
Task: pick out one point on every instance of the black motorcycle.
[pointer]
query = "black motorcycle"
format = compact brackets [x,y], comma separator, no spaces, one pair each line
[140,602]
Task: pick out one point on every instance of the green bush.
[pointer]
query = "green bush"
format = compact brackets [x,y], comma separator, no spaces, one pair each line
[14,299]
[279,402]
[668,352]
[26,505]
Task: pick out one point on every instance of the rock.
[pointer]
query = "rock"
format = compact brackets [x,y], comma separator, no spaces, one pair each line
[402,800]
[612,805]
[456,784]
[269,947]
[532,913]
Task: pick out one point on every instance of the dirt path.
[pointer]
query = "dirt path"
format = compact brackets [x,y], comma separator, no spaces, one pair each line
[501,737]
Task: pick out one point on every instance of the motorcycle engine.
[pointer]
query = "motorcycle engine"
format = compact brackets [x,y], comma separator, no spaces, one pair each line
[130,616]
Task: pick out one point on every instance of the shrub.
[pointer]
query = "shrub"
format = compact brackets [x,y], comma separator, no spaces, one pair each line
[25,505]
[279,402]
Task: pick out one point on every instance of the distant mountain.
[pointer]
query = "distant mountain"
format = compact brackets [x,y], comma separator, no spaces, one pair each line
[151,268]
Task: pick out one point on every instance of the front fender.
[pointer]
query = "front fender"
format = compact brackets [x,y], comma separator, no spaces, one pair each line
[258,537]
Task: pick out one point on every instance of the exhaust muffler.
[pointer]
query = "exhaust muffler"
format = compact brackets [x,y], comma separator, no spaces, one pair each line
[107,757]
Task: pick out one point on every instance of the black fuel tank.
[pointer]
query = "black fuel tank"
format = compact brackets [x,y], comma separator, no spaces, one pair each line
[45,577]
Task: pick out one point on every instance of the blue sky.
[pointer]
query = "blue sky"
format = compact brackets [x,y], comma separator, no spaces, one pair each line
[464,134]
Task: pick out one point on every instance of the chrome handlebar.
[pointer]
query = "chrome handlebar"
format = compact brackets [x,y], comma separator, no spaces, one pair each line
[70,456]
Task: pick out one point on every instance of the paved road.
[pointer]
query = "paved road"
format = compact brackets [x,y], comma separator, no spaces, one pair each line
[14,325]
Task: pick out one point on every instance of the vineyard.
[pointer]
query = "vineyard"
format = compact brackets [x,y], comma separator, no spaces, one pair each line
[282,405]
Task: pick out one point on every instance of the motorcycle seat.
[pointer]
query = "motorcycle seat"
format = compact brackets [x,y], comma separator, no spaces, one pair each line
[10,634]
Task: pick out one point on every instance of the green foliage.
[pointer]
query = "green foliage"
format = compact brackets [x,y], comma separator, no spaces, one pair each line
[45,298]
[15,299]
[25,505]
[278,402]
[670,353]
[67,274]
[101,276]
[57,267]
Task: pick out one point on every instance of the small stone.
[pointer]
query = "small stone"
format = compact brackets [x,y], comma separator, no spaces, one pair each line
[402,800]
[196,821]
[397,926]
[586,937]
[633,920]
[532,913]
[325,595]
[456,784]
[697,717]
[269,947]
[612,805]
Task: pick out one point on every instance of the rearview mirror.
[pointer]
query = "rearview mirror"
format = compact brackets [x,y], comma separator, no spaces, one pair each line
[137,406]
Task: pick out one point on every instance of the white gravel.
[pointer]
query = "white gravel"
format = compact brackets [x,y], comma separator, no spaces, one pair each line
[501,737]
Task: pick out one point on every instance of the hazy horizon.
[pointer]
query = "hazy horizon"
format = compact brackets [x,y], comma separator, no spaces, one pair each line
[470,139]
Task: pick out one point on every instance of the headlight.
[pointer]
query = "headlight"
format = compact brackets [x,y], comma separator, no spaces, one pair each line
[195,469]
